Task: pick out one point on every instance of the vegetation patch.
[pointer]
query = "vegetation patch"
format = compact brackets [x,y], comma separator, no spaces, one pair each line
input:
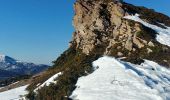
[148,14]
[160,53]
[74,64]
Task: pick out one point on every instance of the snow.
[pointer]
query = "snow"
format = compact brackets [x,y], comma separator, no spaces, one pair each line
[163,34]
[14,94]
[49,81]
[114,79]
[2,57]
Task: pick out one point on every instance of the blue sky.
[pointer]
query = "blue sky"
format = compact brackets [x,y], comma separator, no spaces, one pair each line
[158,5]
[39,30]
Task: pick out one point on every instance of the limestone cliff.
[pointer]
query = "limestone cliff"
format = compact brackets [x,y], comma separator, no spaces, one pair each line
[101,29]
[101,24]
[101,21]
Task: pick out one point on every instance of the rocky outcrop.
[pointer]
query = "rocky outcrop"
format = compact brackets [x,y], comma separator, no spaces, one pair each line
[100,29]
[101,22]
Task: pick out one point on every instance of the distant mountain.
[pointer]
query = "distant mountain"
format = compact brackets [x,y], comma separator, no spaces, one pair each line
[10,67]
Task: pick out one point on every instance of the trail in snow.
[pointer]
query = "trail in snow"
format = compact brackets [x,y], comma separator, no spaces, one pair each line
[14,94]
[163,34]
[117,80]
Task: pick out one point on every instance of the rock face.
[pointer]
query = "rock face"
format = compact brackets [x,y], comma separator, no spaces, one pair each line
[101,22]
[101,29]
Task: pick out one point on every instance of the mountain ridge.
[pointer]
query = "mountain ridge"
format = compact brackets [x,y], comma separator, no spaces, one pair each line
[12,67]
[102,29]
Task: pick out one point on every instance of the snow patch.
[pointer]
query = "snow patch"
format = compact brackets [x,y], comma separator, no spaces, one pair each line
[118,80]
[163,34]
[14,94]
[2,57]
[49,81]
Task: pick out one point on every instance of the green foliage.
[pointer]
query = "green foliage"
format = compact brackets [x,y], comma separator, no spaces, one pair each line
[131,23]
[146,34]
[31,95]
[159,53]
[148,14]
[73,64]
[105,15]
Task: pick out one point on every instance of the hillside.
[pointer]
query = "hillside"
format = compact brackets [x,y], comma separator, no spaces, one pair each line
[116,80]
[14,94]
[137,41]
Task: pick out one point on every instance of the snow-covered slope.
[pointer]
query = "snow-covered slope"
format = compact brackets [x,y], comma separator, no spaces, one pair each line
[49,81]
[117,80]
[163,34]
[14,94]
[10,65]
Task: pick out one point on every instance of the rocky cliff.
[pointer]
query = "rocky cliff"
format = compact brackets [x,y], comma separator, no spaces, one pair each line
[95,24]
[101,24]
[101,28]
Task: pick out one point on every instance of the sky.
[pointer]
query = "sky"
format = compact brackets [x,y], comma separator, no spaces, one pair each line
[39,31]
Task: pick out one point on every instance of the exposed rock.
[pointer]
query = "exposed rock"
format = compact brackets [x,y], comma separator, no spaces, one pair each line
[100,28]
[134,49]
[128,44]
[120,54]
[137,42]
[119,47]
[151,44]
[165,61]
[149,50]
[92,21]
[101,21]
